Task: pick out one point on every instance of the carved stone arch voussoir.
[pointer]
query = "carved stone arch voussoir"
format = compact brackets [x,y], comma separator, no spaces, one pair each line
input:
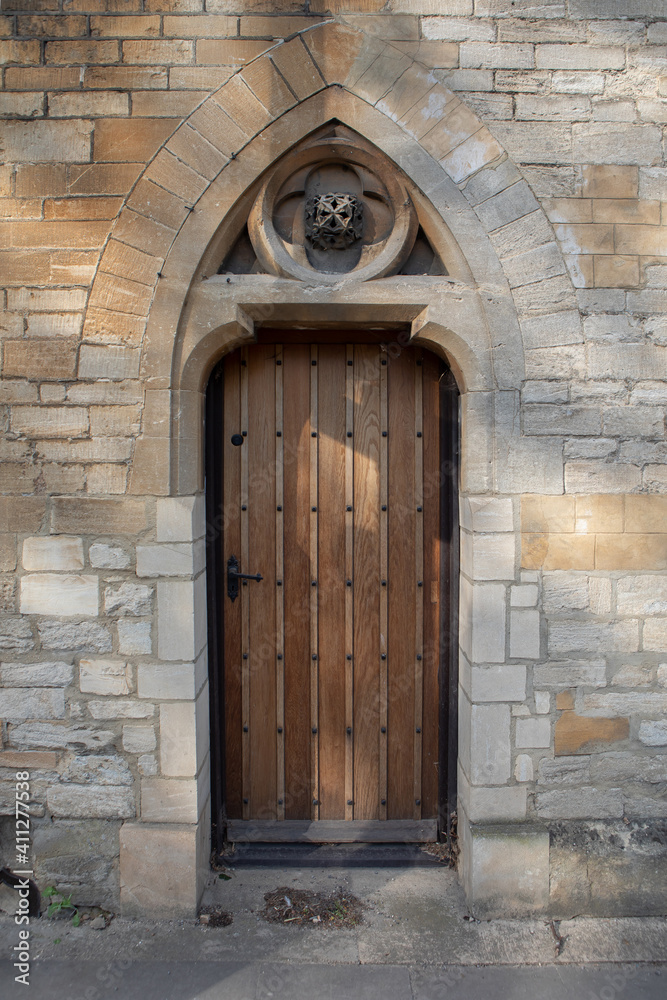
[456,168]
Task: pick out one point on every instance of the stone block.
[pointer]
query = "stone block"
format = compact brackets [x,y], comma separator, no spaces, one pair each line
[16,635]
[32,703]
[633,675]
[168,800]
[134,638]
[86,769]
[627,767]
[631,552]
[524,634]
[653,733]
[493,557]
[533,733]
[180,519]
[178,756]
[542,702]
[108,362]
[74,636]
[46,674]
[645,514]
[620,637]
[81,857]
[166,681]
[523,768]
[52,553]
[507,206]
[176,620]
[575,734]
[493,805]
[49,421]
[139,738]
[147,764]
[175,559]
[506,870]
[564,771]
[524,596]
[490,744]
[58,736]
[91,801]
[121,709]
[555,551]
[103,556]
[63,595]
[642,595]
[128,599]
[586,802]
[544,513]
[488,623]
[506,682]
[148,888]
[98,516]
[112,677]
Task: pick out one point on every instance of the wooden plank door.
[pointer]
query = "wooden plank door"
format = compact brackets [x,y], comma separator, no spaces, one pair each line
[331,492]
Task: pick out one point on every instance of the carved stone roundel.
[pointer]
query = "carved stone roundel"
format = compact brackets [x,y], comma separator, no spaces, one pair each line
[333,210]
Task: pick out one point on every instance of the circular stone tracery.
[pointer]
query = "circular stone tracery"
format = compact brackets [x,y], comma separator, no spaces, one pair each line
[333,210]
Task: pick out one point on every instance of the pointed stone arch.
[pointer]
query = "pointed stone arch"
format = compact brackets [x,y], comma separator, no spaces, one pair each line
[194,181]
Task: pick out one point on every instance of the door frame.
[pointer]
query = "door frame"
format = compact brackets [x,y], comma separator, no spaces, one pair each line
[449,575]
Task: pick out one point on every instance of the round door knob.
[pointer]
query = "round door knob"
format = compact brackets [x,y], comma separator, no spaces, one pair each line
[237,439]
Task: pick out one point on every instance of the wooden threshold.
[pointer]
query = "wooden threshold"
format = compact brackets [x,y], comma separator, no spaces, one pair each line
[326,831]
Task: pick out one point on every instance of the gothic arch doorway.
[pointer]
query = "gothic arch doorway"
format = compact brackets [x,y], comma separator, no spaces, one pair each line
[332,470]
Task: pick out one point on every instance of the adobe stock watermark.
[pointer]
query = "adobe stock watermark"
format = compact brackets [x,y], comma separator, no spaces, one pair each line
[21,950]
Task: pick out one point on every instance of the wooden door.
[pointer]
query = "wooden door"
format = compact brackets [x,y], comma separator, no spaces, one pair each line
[331,491]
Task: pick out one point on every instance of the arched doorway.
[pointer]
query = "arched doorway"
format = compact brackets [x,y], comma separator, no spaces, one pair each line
[332,471]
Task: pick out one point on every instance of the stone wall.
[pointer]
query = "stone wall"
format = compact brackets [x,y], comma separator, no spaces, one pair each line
[564,551]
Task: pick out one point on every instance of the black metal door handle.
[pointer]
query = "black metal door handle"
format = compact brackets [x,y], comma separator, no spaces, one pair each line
[233,577]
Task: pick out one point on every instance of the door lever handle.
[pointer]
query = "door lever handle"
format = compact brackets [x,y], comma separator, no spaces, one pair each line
[233,577]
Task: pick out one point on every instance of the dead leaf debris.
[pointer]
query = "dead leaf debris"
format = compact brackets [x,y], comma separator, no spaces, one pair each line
[286,905]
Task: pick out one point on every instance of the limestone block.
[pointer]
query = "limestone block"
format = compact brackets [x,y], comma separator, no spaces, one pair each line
[506,682]
[166,681]
[633,675]
[457,29]
[587,802]
[134,638]
[523,768]
[490,744]
[507,870]
[488,623]
[121,709]
[108,556]
[128,599]
[628,767]
[491,805]
[178,756]
[180,519]
[653,733]
[86,769]
[148,887]
[493,556]
[32,703]
[524,634]
[581,734]
[16,635]
[509,205]
[655,634]
[564,771]
[642,595]
[147,764]
[524,596]
[91,801]
[630,703]
[138,738]
[81,857]
[52,553]
[98,516]
[593,637]
[55,736]
[49,421]
[74,636]
[542,702]
[176,620]
[175,559]
[53,594]
[108,362]
[7,553]
[113,677]
[533,733]
[168,800]
[48,674]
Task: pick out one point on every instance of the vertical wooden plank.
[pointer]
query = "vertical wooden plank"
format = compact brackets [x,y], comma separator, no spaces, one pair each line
[419,594]
[349,576]
[331,587]
[231,546]
[261,445]
[314,625]
[402,584]
[383,651]
[366,577]
[433,475]
[296,580]
[243,594]
[279,591]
